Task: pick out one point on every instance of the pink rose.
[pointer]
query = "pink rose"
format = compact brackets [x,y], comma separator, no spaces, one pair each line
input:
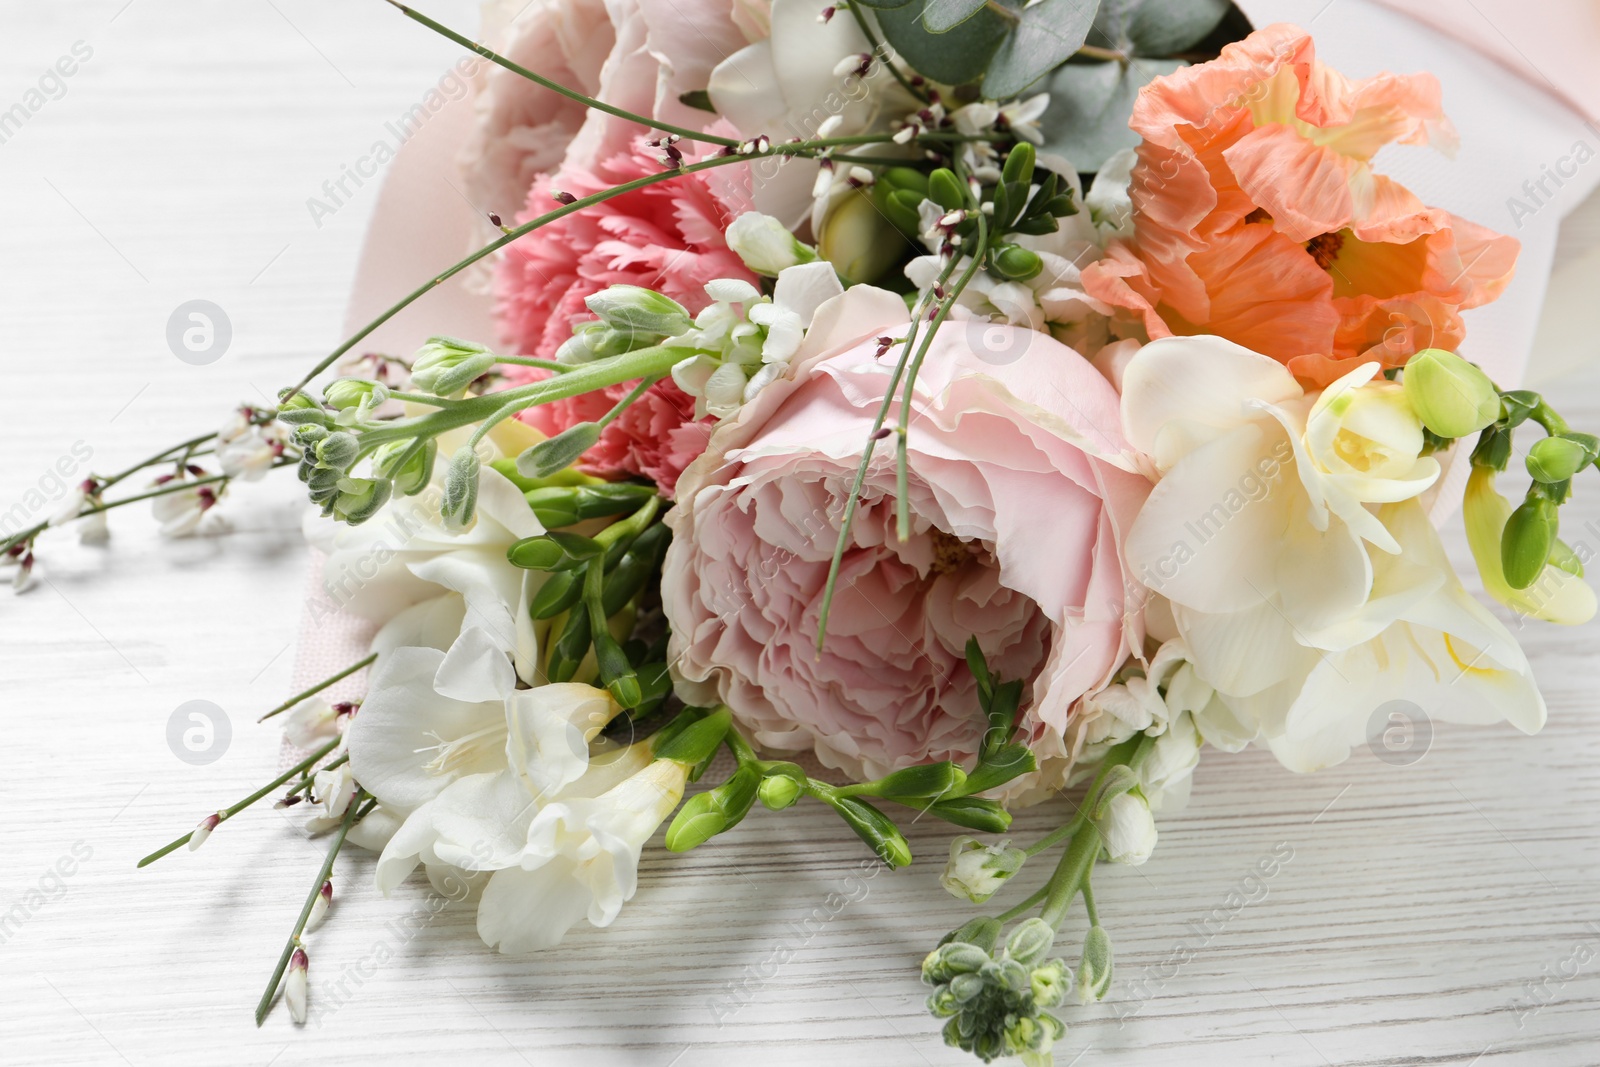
[637,54]
[1022,488]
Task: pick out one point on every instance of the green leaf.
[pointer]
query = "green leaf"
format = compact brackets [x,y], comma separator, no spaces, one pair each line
[699,99]
[942,16]
[1046,35]
[1157,27]
[1090,104]
[884,5]
[952,58]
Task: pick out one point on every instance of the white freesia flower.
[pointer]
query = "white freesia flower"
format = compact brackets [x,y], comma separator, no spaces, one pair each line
[581,860]
[1303,576]
[1128,829]
[745,341]
[793,90]
[432,585]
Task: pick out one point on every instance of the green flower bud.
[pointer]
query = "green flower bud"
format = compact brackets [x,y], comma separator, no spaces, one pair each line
[359,499]
[460,504]
[558,452]
[766,245]
[966,987]
[694,741]
[1516,406]
[1450,396]
[307,436]
[553,506]
[535,554]
[698,821]
[1094,969]
[445,366]
[899,206]
[942,1003]
[409,467]
[778,792]
[337,451]
[639,310]
[1015,263]
[944,189]
[976,871]
[303,411]
[925,781]
[558,593]
[353,392]
[617,675]
[1555,459]
[1526,542]
[567,654]
[974,813]
[947,961]
[904,179]
[982,931]
[1019,164]
[876,829]
[856,238]
[1030,942]
[1051,981]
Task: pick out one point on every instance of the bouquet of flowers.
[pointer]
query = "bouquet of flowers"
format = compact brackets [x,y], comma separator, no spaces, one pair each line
[837,448]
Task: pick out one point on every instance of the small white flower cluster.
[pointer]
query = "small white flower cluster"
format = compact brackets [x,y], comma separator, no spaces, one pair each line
[744,340]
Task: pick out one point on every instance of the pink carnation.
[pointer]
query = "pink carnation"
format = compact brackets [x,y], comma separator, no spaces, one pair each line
[670,237]
[1021,490]
[657,437]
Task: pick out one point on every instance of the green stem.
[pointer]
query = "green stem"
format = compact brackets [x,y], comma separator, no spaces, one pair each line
[1076,862]
[644,363]
[319,687]
[227,813]
[305,783]
[106,483]
[1088,899]
[557,87]
[632,526]
[311,900]
[902,475]
[1025,906]
[542,364]
[854,499]
[623,404]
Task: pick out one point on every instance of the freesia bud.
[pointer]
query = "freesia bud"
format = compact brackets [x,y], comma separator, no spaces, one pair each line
[1525,544]
[778,792]
[976,871]
[198,836]
[1128,828]
[1451,396]
[445,366]
[1555,459]
[633,308]
[1017,264]
[1094,970]
[1558,594]
[460,503]
[856,238]
[766,245]
[319,906]
[296,984]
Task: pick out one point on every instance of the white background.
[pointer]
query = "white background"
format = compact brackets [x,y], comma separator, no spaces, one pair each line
[1419,902]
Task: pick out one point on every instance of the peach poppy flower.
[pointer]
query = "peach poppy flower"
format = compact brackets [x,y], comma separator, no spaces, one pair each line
[1258,216]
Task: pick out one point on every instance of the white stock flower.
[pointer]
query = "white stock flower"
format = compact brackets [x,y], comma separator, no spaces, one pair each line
[976,871]
[745,340]
[766,245]
[1128,829]
[1302,573]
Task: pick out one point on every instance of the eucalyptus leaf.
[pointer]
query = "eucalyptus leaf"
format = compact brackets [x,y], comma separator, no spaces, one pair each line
[884,5]
[942,16]
[1046,35]
[1156,27]
[951,58]
[1090,104]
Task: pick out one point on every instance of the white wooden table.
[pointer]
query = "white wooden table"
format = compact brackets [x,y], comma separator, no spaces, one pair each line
[1441,913]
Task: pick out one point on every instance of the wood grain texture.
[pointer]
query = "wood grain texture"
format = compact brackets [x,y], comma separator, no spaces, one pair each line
[1419,904]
